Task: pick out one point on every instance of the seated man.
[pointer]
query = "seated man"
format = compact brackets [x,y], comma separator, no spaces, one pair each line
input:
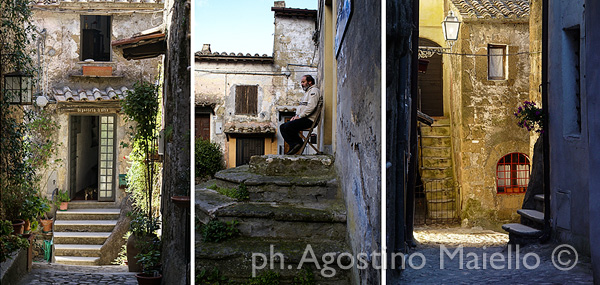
[305,115]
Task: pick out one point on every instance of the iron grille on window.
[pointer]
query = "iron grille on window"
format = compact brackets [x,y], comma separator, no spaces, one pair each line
[512,173]
[246,100]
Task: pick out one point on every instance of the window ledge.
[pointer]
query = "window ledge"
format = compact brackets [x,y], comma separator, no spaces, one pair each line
[96,62]
[94,76]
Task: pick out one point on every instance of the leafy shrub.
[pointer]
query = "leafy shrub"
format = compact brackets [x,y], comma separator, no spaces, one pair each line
[9,243]
[304,277]
[212,277]
[209,159]
[241,193]
[217,231]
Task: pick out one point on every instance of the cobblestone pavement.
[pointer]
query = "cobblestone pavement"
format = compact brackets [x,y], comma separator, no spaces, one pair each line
[487,259]
[45,273]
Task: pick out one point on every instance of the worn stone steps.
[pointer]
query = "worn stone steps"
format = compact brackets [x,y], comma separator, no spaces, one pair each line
[91,204]
[521,234]
[235,258]
[438,141]
[94,238]
[89,214]
[84,225]
[435,130]
[436,151]
[86,250]
[432,161]
[539,202]
[77,260]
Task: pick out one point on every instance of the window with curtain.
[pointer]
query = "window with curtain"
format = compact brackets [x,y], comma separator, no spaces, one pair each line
[512,173]
[496,62]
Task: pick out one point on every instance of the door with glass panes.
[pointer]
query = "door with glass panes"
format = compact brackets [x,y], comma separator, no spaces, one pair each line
[92,141]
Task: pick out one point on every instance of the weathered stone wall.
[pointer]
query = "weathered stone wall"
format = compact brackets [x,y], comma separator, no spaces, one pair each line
[487,129]
[358,134]
[569,151]
[278,81]
[62,55]
[592,70]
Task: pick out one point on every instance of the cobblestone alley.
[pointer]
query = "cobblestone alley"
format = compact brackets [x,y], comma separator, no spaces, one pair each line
[44,273]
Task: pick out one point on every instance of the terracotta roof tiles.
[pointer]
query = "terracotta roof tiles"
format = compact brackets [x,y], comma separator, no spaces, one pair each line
[492,9]
[66,94]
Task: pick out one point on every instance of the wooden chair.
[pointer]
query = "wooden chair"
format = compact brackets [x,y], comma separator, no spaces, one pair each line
[306,138]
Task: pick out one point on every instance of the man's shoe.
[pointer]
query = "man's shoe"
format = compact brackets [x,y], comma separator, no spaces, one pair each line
[294,149]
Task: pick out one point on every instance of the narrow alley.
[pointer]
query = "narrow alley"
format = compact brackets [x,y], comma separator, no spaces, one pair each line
[46,273]
[485,259]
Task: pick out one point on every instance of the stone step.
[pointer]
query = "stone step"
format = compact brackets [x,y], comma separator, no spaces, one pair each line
[84,225]
[284,221]
[539,202]
[77,260]
[291,165]
[431,161]
[88,214]
[521,234]
[283,189]
[87,250]
[96,238]
[438,141]
[436,172]
[532,215]
[436,151]
[435,130]
[441,121]
[234,258]
[92,204]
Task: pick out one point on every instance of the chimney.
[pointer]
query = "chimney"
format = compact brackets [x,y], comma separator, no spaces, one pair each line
[206,49]
[279,4]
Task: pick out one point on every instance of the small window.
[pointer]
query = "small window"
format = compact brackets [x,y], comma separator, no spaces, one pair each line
[496,62]
[512,173]
[246,100]
[95,37]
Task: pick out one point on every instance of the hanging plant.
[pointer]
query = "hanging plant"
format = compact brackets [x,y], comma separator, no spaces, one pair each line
[530,117]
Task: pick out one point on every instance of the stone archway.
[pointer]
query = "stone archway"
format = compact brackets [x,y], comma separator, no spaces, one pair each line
[431,94]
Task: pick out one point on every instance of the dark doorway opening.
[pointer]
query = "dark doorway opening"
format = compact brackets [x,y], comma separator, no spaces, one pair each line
[246,147]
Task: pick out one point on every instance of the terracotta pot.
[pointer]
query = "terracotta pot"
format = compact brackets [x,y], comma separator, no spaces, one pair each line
[18,227]
[63,206]
[27,226]
[146,279]
[46,226]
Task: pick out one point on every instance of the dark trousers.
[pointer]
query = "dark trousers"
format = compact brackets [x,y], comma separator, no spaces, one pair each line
[289,130]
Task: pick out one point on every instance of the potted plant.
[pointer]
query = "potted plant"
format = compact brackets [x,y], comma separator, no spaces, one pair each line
[62,200]
[143,232]
[9,243]
[149,259]
[33,208]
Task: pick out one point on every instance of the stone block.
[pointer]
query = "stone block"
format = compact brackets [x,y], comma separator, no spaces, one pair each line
[296,165]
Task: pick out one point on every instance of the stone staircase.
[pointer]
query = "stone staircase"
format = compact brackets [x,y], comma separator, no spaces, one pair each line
[294,208]
[82,230]
[437,171]
[532,224]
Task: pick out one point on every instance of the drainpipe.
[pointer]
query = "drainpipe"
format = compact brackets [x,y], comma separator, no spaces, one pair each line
[546,144]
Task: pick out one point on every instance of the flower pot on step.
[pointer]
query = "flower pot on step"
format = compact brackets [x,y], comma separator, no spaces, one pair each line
[27,226]
[134,243]
[147,279]
[64,206]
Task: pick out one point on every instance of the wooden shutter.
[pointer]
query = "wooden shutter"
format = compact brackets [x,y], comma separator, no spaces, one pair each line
[246,100]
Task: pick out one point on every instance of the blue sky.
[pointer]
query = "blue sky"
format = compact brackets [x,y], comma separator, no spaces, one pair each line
[244,26]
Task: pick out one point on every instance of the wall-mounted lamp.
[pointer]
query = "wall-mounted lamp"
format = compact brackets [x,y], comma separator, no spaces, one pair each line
[17,85]
[451,27]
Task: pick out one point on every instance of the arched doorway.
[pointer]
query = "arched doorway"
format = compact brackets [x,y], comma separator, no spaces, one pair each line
[431,94]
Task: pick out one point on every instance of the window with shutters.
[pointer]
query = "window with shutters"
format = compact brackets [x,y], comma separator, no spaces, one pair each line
[246,100]
[496,62]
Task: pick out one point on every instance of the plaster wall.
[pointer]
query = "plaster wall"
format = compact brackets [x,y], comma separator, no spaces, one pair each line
[293,43]
[487,130]
[569,152]
[62,55]
[358,134]
[431,15]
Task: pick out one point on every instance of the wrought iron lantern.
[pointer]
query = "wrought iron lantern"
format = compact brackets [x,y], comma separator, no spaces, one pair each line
[18,87]
[451,27]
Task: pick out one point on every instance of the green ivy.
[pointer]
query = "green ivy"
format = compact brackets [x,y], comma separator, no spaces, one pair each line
[217,231]
[212,277]
[240,193]
[265,278]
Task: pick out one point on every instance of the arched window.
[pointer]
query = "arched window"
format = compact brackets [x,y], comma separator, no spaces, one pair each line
[512,173]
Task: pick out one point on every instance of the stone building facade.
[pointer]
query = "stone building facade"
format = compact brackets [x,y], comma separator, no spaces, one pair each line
[83,79]
[242,99]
